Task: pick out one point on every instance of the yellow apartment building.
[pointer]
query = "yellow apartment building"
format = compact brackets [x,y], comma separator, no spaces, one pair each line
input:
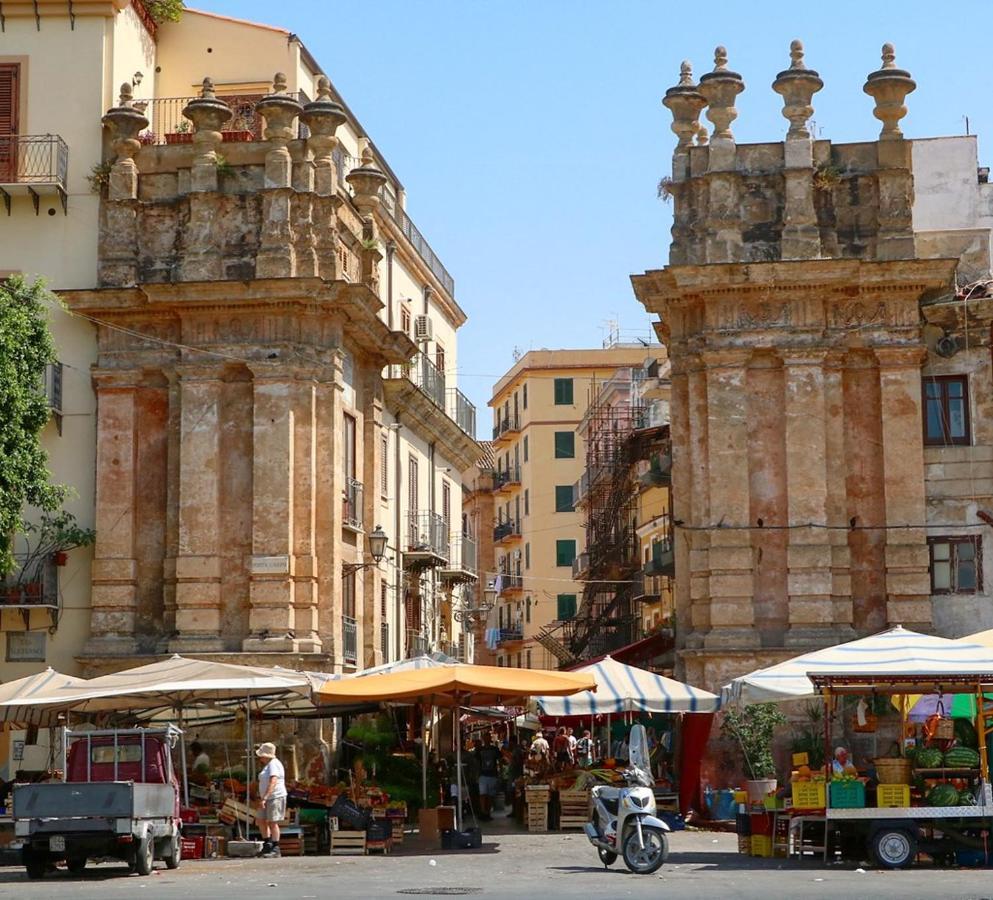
[538,458]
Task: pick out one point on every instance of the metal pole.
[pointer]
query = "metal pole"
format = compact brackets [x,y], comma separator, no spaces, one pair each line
[458,765]
[248,765]
[424,759]
[182,751]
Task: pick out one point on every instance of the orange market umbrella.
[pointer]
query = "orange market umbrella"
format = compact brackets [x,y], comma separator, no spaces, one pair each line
[457,684]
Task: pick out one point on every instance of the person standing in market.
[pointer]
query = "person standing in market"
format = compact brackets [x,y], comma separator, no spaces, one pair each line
[272,798]
[584,750]
[489,758]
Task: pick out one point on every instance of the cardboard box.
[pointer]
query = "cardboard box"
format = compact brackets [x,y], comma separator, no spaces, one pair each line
[432,822]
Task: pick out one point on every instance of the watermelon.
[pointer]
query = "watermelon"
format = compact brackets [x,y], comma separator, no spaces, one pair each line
[966,798]
[943,795]
[962,758]
[929,758]
[965,733]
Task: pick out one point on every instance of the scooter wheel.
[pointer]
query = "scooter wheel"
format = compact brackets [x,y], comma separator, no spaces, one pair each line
[647,859]
[607,857]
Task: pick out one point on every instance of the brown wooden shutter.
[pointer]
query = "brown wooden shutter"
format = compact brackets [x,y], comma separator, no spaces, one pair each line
[8,97]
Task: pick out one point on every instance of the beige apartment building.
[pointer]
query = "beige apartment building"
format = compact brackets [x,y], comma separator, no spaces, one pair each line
[256,360]
[827,312]
[538,458]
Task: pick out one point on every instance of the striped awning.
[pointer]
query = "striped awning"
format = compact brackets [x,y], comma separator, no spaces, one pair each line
[622,689]
[895,655]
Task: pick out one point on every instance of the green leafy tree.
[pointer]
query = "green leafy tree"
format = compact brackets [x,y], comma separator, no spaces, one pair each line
[753,729]
[164,10]
[26,347]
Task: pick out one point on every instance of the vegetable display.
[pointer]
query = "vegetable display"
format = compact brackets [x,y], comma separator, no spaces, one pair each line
[929,758]
[943,795]
[962,758]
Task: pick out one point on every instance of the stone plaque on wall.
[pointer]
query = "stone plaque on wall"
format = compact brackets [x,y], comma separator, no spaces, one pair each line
[270,565]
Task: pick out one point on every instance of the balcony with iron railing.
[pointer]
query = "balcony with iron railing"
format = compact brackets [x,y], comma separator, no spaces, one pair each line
[417,643]
[349,643]
[352,511]
[168,125]
[663,560]
[37,585]
[427,542]
[430,380]
[510,583]
[512,634]
[33,165]
[506,425]
[504,479]
[505,531]
[461,566]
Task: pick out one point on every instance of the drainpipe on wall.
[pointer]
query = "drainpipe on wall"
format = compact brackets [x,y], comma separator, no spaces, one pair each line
[431,507]
[401,625]
[391,248]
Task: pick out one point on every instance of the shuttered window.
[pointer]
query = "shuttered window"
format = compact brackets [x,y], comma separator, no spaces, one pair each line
[9,76]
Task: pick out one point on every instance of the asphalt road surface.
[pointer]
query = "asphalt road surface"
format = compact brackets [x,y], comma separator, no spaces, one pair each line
[701,865]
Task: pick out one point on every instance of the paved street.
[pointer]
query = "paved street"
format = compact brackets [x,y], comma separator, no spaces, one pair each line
[515,865]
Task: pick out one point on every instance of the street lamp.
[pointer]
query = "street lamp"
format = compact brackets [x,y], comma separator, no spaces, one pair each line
[471,614]
[377,550]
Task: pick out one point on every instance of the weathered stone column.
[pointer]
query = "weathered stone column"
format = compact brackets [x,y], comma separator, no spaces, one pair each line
[202,257]
[685,102]
[198,557]
[732,616]
[682,495]
[889,87]
[306,449]
[118,262]
[367,181]
[699,504]
[114,596]
[808,470]
[837,500]
[271,591]
[908,586]
[372,457]
[323,116]
[720,88]
[797,85]
[276,258]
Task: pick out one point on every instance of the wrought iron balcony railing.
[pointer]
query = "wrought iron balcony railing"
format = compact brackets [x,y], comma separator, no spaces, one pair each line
[427,532]
[168,125]
[514,633]
[417,643]
[33,164]
[463,553]
[425,375]
[506,425]
[353,504]
[506,477]
[462,410]
[505,530]
[36,587]
[349,638]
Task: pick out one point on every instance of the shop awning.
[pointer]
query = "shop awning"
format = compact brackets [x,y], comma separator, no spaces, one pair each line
[622,689]
[896,655]
[475,684]
[31,689]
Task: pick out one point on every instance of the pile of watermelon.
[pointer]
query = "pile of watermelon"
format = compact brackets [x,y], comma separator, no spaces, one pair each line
[949,795]
[961,758]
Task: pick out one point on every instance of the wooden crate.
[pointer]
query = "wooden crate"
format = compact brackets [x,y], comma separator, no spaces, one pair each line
[398,831]
[537,817]
[573,809]
[345,842]
[290,846]
[383,847]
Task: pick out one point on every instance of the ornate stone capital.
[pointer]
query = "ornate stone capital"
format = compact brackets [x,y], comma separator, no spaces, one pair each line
[900,357]
[797,86]
[889,86]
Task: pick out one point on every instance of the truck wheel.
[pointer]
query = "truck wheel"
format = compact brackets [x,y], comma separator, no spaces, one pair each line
[894,848]
[175,854]
[36,863]
[76,864]
[143,856]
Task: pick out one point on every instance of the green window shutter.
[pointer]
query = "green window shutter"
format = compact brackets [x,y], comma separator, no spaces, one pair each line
[566,604]
[565,444]
[563,392]
[527,557]
[527,502]
[525,447]
[565,552]
[563,498]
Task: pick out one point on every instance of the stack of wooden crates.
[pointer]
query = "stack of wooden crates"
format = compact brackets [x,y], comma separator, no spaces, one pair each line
[537,796]
[573,809]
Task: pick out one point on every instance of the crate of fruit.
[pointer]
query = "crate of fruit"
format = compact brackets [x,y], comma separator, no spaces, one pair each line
[808,794]
[847,795]
[893,795]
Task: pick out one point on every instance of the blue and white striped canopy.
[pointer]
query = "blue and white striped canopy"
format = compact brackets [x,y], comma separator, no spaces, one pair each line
[896,652]
[622,689]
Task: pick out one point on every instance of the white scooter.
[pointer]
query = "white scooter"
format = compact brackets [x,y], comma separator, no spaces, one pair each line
[624,821]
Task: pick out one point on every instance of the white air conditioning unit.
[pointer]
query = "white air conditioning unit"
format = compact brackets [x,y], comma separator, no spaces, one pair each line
[422,329]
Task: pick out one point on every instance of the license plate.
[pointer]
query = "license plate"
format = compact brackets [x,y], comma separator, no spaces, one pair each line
[57,844]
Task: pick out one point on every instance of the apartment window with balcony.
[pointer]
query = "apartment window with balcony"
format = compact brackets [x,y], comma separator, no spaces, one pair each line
[946,410]
[565,606]
[956,565]
[563,498]
[439,358]
[565,445]
[563,392]
[525,448]
[565,552]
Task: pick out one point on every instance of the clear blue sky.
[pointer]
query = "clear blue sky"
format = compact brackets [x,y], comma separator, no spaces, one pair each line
[530,136]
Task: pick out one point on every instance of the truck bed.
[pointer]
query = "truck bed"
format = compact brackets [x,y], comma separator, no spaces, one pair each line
[106,799]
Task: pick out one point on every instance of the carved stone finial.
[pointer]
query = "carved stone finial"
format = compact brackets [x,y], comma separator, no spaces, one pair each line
[207,90]
[719,89]
[279,83]
[322,117]
[208,115]
[889,87]
[127,95]
[797,86]
[796,55]
[323,88]
[124,122]
[368,157]
[685,102]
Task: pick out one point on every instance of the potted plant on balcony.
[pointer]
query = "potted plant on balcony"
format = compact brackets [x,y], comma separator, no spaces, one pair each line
[147,137]
[752,729]
[182,134]
[47,541]
[237,134]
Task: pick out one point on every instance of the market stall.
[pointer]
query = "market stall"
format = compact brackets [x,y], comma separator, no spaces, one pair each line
[930,794]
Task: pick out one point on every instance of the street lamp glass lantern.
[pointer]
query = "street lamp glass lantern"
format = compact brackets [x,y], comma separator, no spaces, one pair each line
[377,543]
[490,594]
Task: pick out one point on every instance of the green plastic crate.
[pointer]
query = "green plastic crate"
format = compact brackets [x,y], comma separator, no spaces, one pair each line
[847,795]
[313,816]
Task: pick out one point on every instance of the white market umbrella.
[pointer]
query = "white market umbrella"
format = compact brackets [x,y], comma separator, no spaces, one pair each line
[629,689]
[32,689]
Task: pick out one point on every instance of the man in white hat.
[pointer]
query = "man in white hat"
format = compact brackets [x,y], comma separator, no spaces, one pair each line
[272,798]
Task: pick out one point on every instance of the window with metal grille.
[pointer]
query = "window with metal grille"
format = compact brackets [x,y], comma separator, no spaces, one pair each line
[382,599]
[956,564]
[946,409]
[565,445]
[527,556]
[563,392]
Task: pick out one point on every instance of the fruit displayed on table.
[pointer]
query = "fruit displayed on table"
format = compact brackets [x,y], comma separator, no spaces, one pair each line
[943,795]
[961,758]
[929,758]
